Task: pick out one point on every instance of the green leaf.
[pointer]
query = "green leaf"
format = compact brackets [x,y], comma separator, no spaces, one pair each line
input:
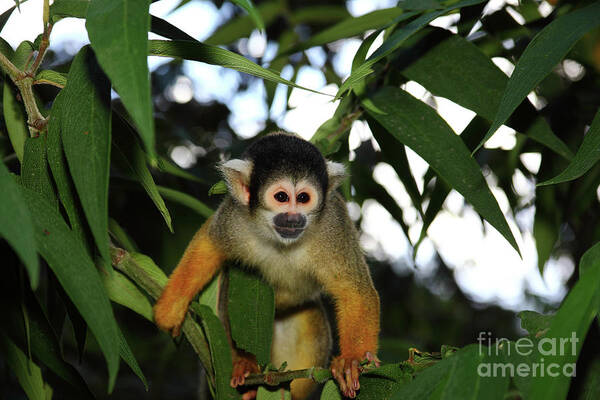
[351,27]
[214,55]
[459,71]
[51,77]
[325,14]
[534,323]
[44,343]
[270,393]
[85,132]
[168,167]
[68,8]
[22,55]
[5,16]
[419,4]
[242,26]
[458,377]
[219,351]
[15,119]
[571,323]
[186,200]
[470,136]
[16,225]
[254,14]
[28,373]
[127,356]
[60,173]
[394,41]
[464,380]
[122,291]
[331,391]
[419,127]
[394,154]
[585,158]
[218,188]
[128,154]
[34,173]
[121,51]
[381,382]
[166,29]
[77,274]
[251,310]
[544,51]
[150,268]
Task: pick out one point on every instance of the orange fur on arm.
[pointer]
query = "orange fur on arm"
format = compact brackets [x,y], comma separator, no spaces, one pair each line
[357,314]
[199,263]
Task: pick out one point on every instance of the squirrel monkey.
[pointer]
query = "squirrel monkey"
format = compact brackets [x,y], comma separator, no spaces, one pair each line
[284,217]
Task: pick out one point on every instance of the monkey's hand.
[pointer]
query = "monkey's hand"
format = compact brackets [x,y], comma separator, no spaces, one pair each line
[345,371]
[243,365]
[169,316]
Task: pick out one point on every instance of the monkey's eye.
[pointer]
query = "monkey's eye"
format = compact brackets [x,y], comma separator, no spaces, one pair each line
[303,198]
[281,197]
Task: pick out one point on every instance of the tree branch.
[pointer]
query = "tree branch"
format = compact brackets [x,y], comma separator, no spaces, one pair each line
[277,377]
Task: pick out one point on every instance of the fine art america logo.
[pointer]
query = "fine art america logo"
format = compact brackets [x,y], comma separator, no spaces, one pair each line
[525,347]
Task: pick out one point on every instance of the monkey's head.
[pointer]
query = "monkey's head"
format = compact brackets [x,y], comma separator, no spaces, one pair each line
[283,182]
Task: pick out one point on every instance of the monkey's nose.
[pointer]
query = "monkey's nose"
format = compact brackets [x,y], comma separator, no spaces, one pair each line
[295,220]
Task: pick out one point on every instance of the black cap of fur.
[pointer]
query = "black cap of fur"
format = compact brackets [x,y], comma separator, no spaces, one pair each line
[287,155]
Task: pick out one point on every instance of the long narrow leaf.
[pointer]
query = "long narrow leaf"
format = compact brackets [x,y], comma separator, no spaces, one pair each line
[459,71]
[249,7]
[395,40]
[16,225]
[351,27]
[86,131]
[585,158]
[118,31]
[15,120]
[571,323]
[419,127]
[544,51]
[214,55]
[77,274]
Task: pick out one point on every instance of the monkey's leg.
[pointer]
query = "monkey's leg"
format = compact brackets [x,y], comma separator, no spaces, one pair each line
[302,338]
[357,312]
[201,260]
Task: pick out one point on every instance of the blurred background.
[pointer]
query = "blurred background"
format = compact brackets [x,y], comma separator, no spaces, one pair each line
[462,279]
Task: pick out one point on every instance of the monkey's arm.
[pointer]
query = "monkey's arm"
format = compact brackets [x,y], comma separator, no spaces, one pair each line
[357,313]
[197,266]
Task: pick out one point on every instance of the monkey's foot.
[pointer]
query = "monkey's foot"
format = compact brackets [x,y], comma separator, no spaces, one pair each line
[243,366]
[345,371]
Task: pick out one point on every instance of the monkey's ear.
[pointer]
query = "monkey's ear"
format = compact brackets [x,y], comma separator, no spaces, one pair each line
[337,173]
[237,175]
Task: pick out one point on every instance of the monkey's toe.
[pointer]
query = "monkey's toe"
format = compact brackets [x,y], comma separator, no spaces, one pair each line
[242,367]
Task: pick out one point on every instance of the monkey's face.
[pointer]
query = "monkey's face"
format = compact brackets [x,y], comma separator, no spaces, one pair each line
[289,208]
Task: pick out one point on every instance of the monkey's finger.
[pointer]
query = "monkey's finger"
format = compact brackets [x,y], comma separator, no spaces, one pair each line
[337,370]
[176,331]
[348,377]
[355,371]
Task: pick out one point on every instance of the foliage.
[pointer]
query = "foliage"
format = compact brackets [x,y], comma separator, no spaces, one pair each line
[75,160]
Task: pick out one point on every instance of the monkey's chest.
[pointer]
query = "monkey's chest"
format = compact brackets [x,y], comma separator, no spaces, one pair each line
[290,276]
